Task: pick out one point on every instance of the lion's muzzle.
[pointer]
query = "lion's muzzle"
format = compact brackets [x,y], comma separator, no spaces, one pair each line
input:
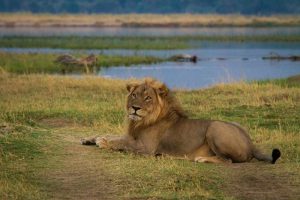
[134,113]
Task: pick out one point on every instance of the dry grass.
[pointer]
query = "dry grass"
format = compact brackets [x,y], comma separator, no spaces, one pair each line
[146,20]
[45,116]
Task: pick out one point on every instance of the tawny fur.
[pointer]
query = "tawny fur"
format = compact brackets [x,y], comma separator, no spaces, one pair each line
[157,125]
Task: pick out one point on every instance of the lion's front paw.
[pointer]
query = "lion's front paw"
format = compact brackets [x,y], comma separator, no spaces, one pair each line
[102,143]
[82,141]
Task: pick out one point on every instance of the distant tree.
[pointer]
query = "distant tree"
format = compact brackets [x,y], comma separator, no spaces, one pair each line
[70,6]
[104,6]
[34,7]
[261,7]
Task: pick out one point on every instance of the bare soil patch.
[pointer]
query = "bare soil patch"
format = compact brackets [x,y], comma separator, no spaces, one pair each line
[79,173]
[262,181]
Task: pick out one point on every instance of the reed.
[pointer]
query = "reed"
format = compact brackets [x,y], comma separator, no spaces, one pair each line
[144,20]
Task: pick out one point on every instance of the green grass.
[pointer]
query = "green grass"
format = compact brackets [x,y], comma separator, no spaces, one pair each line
[130,42]
[74,42]
[293,81]
[43,117]
[20,149]
[44,63]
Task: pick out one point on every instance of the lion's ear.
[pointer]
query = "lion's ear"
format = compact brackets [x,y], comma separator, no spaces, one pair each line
[163,90]
[131,86]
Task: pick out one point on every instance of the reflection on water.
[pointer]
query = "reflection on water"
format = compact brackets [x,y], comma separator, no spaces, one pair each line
[134,31]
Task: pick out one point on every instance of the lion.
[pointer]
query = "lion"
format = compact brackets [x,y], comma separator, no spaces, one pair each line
[157,125]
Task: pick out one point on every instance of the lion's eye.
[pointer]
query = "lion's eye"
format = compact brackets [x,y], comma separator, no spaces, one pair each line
[148,98]
[133,95]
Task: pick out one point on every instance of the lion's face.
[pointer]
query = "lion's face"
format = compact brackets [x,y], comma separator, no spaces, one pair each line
[144,102]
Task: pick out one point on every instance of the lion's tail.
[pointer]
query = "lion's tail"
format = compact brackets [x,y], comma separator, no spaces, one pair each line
[88,141]
[268,158]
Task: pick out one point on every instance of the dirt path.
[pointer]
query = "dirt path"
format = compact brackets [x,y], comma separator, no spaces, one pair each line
[79,173]
[83,172]
[260,181]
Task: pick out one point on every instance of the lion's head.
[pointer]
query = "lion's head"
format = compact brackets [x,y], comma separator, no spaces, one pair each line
[150,101]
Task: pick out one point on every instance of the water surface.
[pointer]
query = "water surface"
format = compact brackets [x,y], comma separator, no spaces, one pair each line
[219,62]
[134,31]
[207,72]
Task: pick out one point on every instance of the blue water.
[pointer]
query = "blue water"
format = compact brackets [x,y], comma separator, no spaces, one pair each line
[206,73]
[220,62]
[239,65]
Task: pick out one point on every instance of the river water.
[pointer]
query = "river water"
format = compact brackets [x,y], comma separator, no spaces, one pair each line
[219,62]
[215,66]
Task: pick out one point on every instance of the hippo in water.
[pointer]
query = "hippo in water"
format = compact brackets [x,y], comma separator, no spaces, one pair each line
[184,58]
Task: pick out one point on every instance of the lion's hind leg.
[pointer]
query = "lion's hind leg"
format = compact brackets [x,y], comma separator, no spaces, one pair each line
[228,141]
[205,154]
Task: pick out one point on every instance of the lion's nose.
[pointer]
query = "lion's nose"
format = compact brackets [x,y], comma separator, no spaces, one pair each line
[136,108]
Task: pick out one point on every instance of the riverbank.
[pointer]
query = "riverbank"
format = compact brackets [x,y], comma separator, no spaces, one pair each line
[145,20]
[134,42]
[44,63]
[43,117]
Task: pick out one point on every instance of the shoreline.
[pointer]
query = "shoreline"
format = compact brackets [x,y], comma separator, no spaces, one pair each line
[45,63]
[130,42]
[146,20]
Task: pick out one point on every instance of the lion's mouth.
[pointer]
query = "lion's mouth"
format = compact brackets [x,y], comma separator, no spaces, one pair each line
[134,116]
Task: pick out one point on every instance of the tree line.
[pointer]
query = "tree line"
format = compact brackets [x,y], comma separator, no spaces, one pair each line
[257,7]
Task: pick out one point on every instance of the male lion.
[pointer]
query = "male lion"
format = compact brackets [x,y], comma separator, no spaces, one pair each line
[158,126]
